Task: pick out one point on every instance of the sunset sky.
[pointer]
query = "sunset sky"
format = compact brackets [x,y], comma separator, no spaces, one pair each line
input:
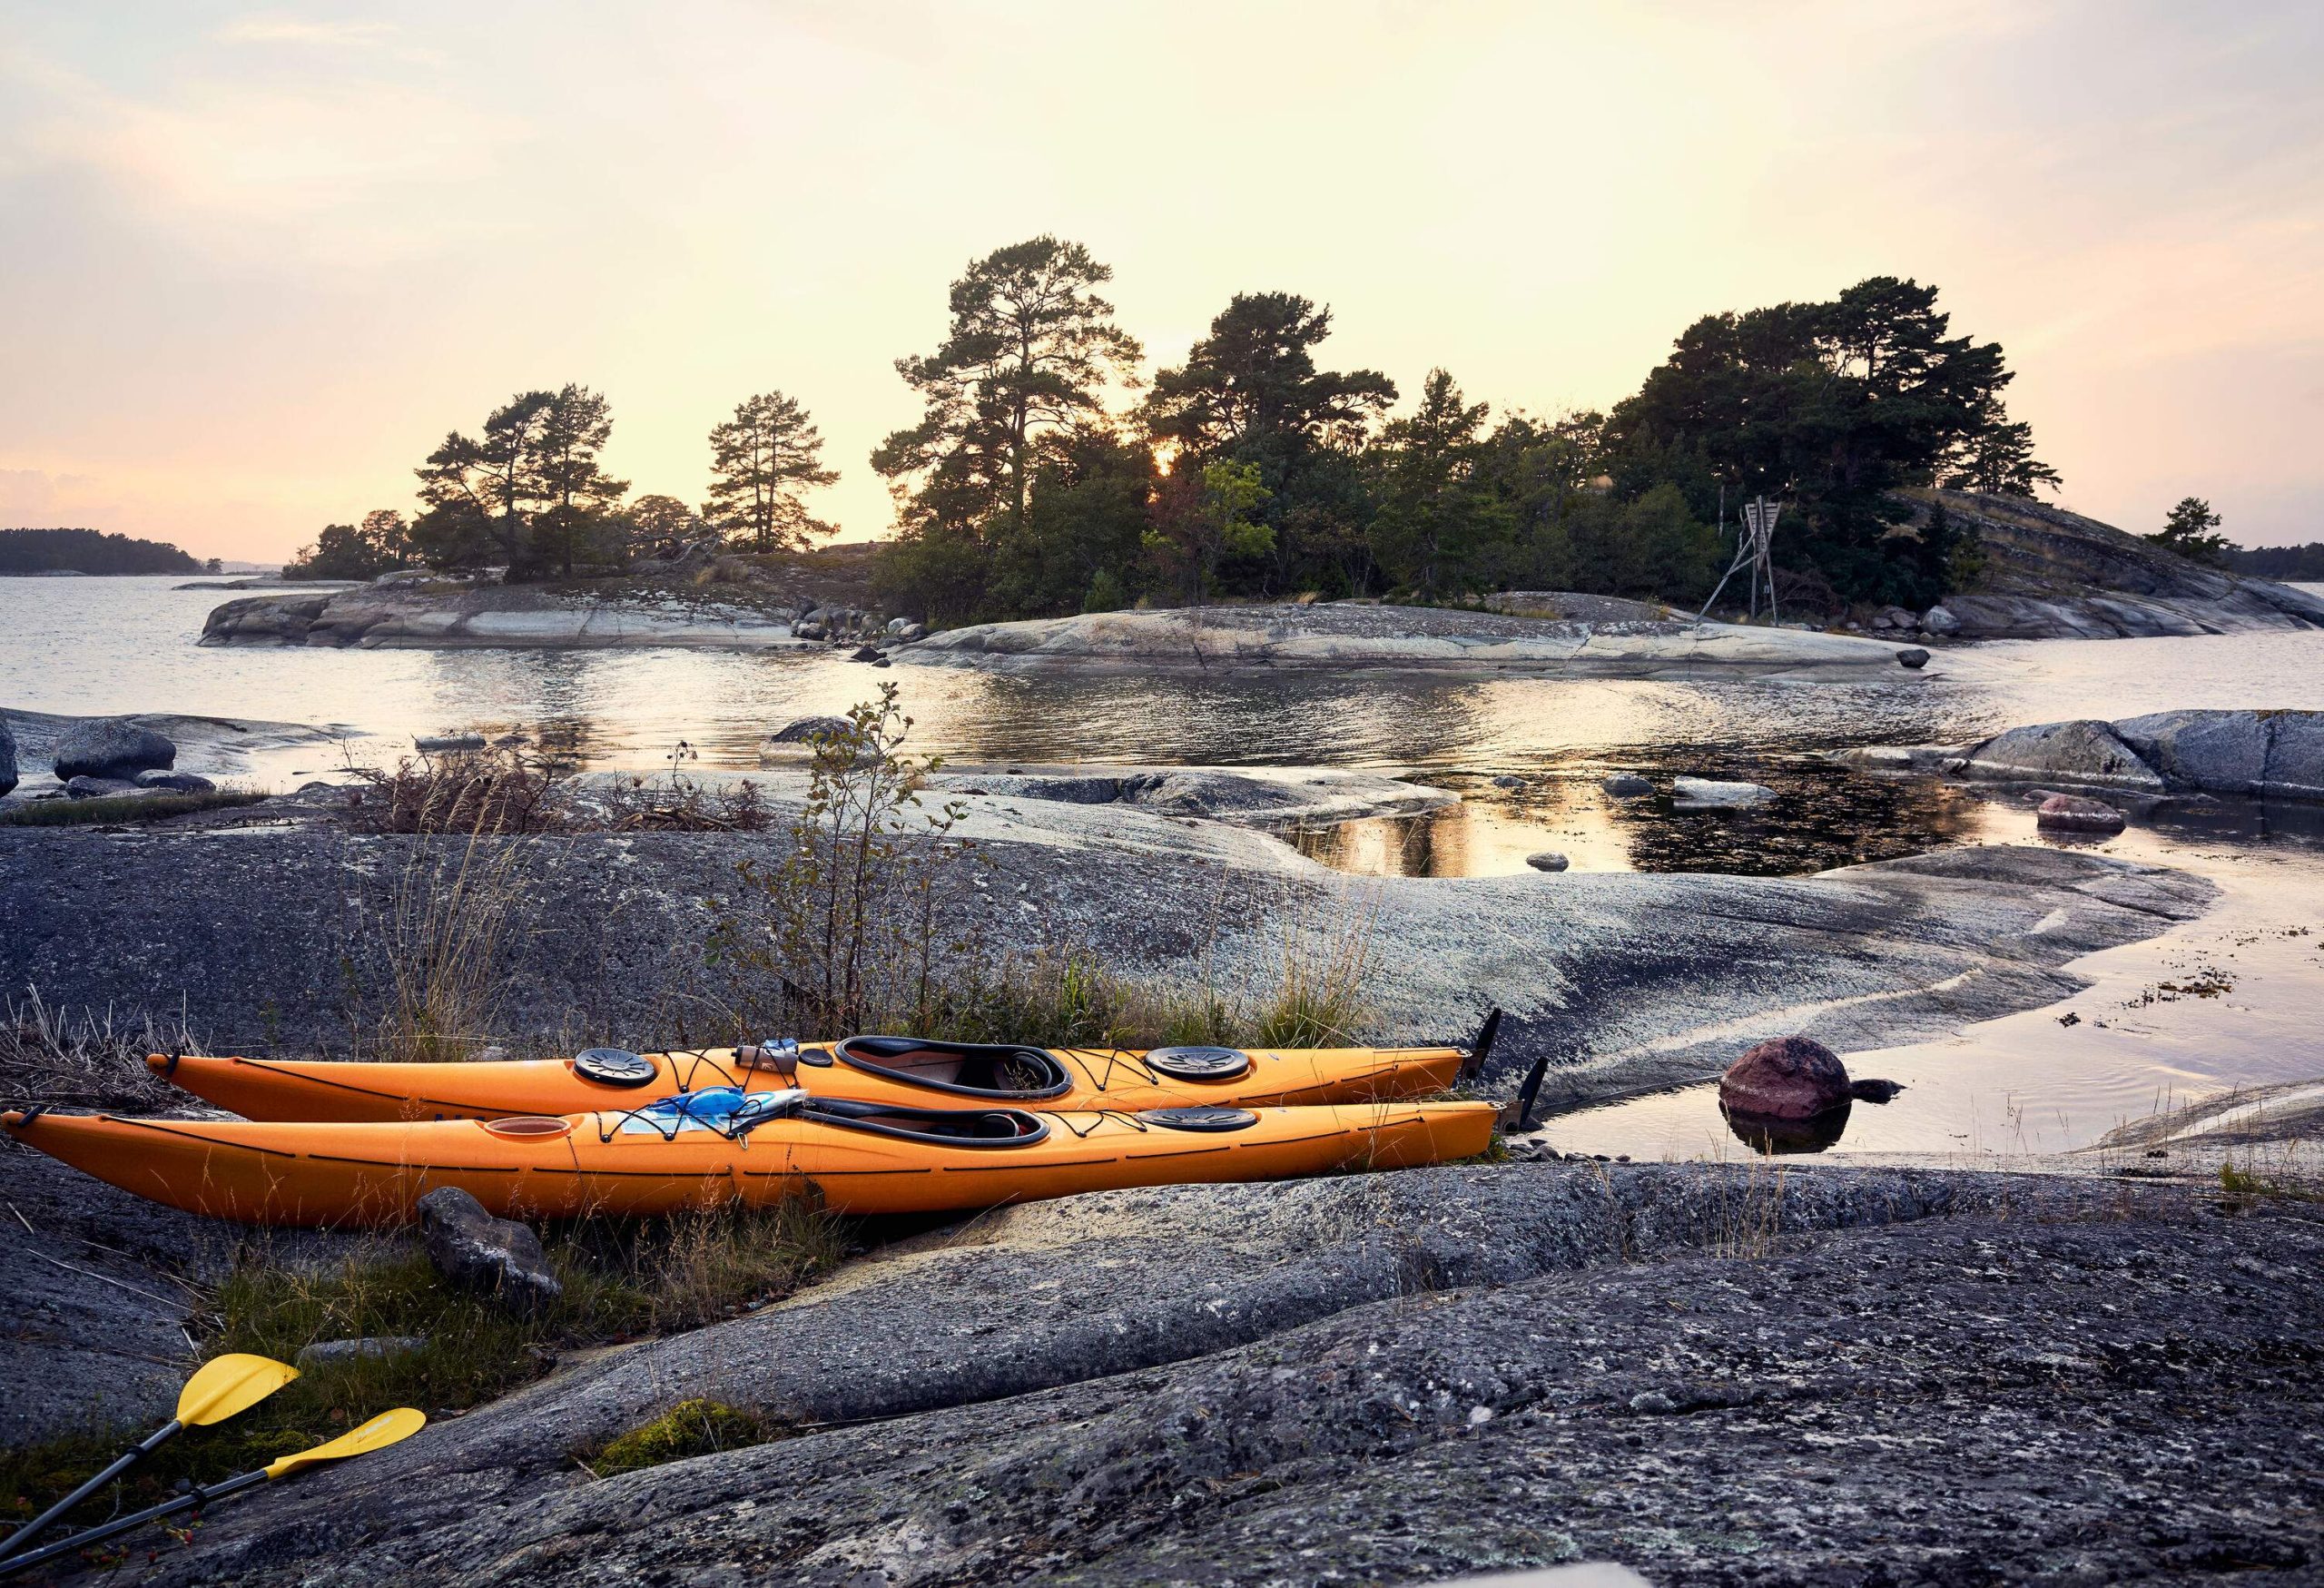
[255,262]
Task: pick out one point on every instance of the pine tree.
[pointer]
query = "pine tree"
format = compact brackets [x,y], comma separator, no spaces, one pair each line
[2192,532]
[761,461]
[1030,348]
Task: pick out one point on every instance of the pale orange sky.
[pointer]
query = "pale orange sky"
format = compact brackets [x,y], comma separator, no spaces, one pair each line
[255,261]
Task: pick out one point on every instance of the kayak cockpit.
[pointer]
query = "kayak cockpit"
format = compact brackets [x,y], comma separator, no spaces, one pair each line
[982,1070]
[983,1128]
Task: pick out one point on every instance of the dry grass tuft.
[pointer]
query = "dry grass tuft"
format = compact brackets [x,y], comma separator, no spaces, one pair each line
[1328,957]
[86,1062]
[443,935]
[497,789]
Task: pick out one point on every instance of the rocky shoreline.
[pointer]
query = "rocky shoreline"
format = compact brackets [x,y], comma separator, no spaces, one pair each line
[369,617]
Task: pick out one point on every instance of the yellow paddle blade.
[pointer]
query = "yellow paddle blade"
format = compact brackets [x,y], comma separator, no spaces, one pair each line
[227,1384]
[381,1431]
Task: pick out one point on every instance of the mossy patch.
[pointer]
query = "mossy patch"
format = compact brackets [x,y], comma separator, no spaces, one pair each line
[690,1428]
[122,808]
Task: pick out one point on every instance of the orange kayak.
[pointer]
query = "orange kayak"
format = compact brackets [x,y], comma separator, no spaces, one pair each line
[719,1146]
[903,1070]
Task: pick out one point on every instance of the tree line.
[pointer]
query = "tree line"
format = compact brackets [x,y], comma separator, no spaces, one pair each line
[1046,475]
[1251,469]
[529,492]
[92,551]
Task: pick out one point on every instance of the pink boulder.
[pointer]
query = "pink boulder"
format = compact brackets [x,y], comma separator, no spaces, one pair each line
[1789,1078]
[2066,813]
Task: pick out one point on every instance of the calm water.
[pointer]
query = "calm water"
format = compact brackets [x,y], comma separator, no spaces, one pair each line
[1526,754]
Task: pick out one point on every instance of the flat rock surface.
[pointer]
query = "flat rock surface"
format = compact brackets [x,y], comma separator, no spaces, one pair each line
[1361,635]
[266,938]
[101,1286]
[1712,1375]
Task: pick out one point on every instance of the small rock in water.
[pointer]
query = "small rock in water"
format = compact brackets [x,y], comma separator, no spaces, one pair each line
[1936,620]
[176,782]
[865,654]
[495,1257]
[1533,1146]
[108,747]
[322,1351]
[1626,786]
[1549,859]
[436,745]
[1706,791]
[801,729]
[1912,658]
[2065,813]
[1508,780]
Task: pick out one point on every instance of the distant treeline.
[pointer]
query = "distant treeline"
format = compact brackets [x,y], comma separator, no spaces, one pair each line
[89,551]
[2304,562]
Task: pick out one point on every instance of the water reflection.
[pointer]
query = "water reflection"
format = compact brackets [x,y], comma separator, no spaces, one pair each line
[1823,817]
[1771,1137]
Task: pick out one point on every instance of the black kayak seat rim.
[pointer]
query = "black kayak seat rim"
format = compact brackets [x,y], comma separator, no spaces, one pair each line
[970,1128]
[866,1054]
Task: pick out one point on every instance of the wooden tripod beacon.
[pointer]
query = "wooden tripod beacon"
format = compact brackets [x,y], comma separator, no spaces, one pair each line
[1751,560]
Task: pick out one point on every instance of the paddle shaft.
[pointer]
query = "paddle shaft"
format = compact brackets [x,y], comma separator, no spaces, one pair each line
[121,1464]
[135,1519]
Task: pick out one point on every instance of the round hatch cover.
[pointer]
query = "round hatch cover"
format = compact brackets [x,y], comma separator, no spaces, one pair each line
[615,1067]
[1211,1118]
[1199,1064]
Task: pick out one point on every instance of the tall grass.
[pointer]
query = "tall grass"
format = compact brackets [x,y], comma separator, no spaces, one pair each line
[143,807]
[442,937]
[1329,955]
[1313,995]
